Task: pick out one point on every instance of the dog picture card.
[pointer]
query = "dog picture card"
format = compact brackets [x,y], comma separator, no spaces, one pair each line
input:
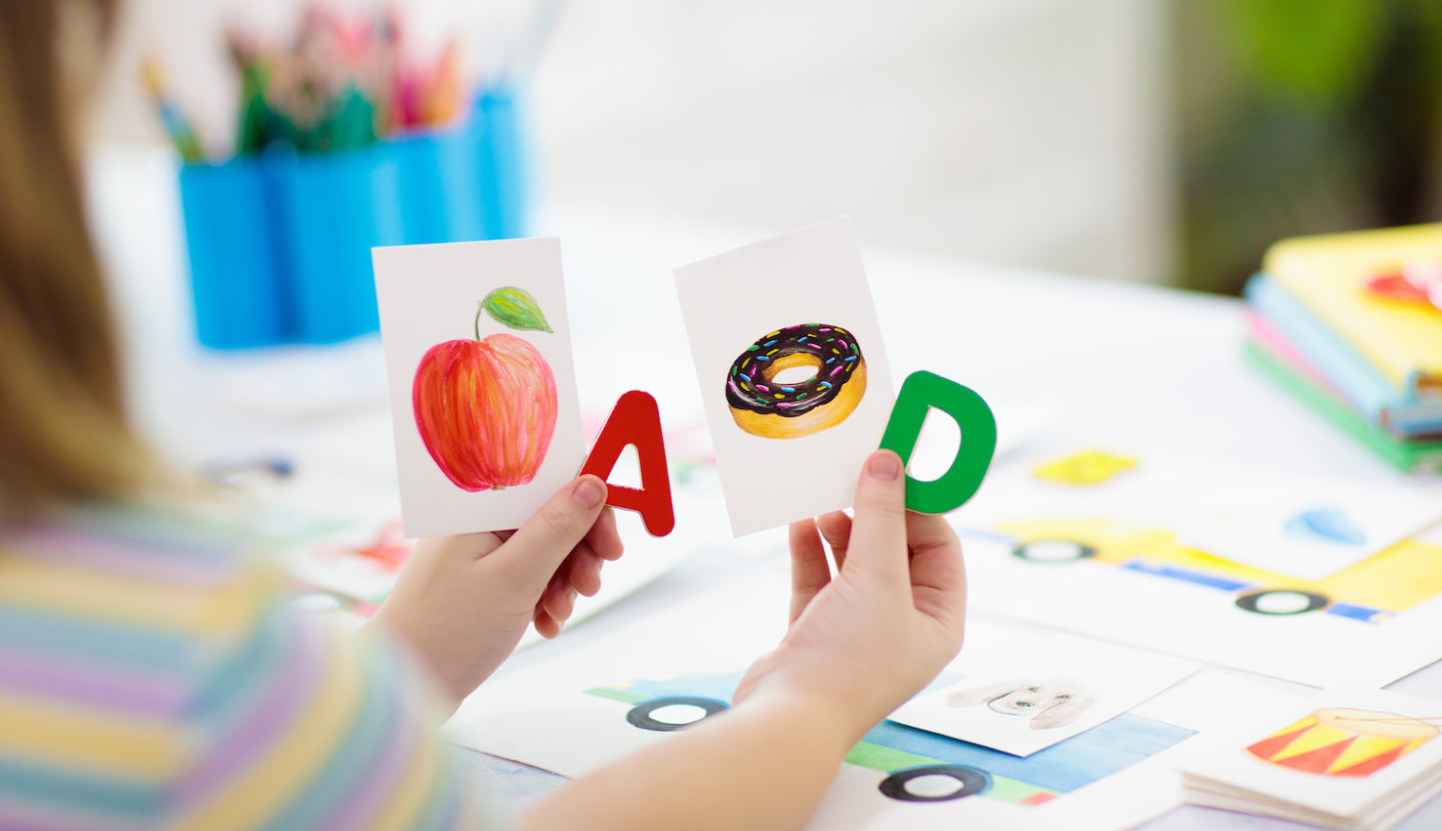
[1043,696]
[795,381]
[482,381]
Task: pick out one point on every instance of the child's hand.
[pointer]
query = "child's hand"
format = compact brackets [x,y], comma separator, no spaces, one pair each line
[863,642]
[462,602]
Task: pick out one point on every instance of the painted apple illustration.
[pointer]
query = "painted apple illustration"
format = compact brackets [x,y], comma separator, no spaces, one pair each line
[486,408]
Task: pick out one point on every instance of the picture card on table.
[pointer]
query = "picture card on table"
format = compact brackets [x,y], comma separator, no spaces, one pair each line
[482,381]
[1309,528]
[1044,696]
[1345,759]
[1305,528]
[794,377]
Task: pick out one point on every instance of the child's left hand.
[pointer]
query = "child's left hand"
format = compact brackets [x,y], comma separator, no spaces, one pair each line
[463,602]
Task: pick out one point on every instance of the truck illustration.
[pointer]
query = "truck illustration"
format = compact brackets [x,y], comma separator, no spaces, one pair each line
[1369,592]
[923,766]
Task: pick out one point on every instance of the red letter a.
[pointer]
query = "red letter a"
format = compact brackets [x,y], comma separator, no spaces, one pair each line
[636,421]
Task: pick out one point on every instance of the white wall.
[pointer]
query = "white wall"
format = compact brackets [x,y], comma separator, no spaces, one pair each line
[1019,131]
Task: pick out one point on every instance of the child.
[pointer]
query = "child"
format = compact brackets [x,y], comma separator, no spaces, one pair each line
[150,675]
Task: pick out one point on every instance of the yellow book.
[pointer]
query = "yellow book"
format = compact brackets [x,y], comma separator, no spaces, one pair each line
[1330,275]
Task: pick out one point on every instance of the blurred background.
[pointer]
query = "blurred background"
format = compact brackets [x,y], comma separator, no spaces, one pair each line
[1139,140]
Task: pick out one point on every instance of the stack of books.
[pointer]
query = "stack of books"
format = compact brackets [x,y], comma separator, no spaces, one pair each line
[1351,325]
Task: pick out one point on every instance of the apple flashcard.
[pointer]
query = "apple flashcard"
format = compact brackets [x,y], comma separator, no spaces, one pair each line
[482,381]
[796,385]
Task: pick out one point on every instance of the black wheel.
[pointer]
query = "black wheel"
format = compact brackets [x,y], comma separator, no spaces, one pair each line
[640,715]
[1282,602]
[1053,551]
[971,781]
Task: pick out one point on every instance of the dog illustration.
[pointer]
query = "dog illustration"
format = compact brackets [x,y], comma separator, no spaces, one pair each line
[1047,703]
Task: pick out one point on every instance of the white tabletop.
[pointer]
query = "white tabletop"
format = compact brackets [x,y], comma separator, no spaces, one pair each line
[1112,364]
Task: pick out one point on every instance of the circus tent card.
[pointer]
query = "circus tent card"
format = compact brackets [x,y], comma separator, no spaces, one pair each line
[1345,759]
[1044,696]
[794,378]
[482,381]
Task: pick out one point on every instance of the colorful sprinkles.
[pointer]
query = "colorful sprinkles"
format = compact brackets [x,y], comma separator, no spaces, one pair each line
[746,389]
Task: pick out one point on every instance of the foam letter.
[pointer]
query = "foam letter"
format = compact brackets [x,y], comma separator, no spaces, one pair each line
[952,489]
[636,420]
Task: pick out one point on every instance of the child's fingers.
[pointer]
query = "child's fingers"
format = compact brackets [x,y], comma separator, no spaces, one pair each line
[603,537]
[546,625]
[556,586]
[559,602]
[836,530]
[534,553]
[877,544]
[938,574]
[809,571]
[583,570]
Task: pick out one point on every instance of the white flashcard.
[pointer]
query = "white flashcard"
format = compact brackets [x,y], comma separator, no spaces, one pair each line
[1302,528]
[1306,528]
[1344,758]
[1044,696]
[482,381]
[794,377]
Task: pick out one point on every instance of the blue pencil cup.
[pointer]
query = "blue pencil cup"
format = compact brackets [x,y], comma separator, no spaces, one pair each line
[280,245]
[440,186]
[334,208]
[503,168]
[240,296]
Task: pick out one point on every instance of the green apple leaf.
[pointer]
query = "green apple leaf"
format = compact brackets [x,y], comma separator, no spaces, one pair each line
[515,308]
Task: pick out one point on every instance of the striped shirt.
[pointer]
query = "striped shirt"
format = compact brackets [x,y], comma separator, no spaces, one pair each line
[151,676]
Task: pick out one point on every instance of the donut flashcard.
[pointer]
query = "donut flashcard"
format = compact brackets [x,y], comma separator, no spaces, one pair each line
[482,381]
[794,377]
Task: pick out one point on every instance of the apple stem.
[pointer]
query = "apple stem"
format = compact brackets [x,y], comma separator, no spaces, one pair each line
[480,309]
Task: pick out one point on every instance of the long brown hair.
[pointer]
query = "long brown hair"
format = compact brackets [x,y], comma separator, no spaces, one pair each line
[64,434]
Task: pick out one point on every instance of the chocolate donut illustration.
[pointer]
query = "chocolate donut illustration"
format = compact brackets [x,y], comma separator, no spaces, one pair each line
[771,410]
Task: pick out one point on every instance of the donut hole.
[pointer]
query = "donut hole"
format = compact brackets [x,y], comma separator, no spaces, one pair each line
[793,369]
[794,375]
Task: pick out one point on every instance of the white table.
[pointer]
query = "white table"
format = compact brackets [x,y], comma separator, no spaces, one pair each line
[1121,364]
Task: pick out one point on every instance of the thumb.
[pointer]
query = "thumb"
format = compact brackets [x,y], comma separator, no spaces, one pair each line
[878,533]
[528,559]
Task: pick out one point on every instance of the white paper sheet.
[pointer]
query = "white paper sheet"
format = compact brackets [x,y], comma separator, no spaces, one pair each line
[1086,560]
[571,716]
[504,421]
[1306,529]
[749,310]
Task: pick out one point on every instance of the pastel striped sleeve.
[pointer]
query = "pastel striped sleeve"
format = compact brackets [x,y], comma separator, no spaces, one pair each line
[299,726]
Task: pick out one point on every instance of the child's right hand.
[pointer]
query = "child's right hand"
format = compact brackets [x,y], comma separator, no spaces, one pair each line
[864,641]
[860,644]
